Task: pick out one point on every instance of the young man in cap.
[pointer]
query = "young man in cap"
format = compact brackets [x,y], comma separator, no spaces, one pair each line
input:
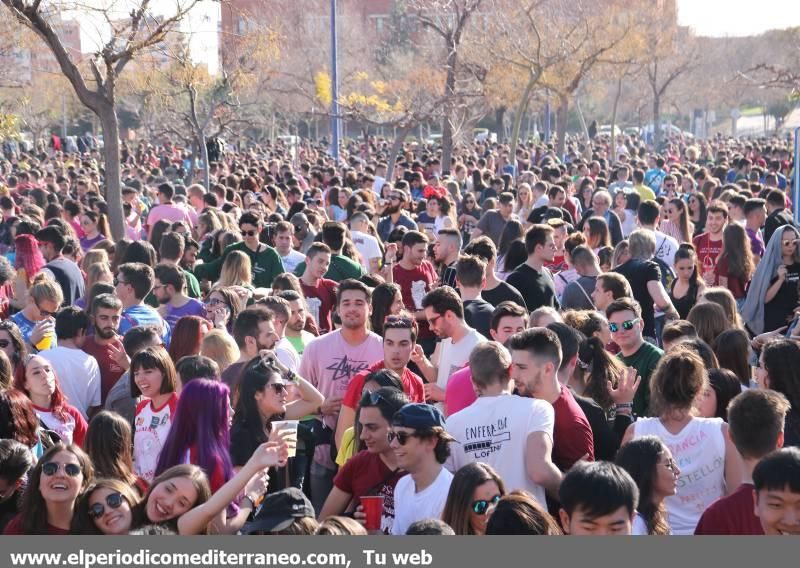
[285,512]
[421,446]
[777,492]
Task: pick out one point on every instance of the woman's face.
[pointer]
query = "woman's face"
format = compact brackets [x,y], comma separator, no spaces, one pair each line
[666,478]
[587,193]
[619,200]
[149,381]
[343,198]
[687,184]
[170,499]
[87,224]
[789,243]
[271,400]
[397,304]
[469,203]
[762,376]
[524,195]
[433,207]
[39,377]
[489,492]
[684,268]
[694,205]
[673,213]
[116,517]
[60,486]
[604,333]
[7,345]
[707,402]
[587,232]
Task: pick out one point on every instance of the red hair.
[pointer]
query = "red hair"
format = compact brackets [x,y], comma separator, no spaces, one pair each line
[187,336]
[28,255]
[58,403]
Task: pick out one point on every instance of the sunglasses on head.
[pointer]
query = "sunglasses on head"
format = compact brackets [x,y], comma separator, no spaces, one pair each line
[626,325]
[71,469]
[481,506]
[372,398]
[113,500]
[401,437]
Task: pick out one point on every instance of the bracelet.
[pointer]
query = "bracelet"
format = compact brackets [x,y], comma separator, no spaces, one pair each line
[292,376]
[623,405]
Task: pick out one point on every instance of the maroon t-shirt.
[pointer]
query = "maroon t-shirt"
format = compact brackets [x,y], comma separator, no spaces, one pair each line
[414,284]
[365,474]
[110,372]
[15,528]
[321,300]
[572,434]
[708,252]
[731,515]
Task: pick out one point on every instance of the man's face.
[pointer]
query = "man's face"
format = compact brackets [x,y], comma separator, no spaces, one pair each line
[617,523]
[106,322]
[297,319]
[267,337]
[558,199]
[758,217]
[416,254]
[626,338]
[189,258]
[48,252]
[438,323]
[283,242]
[162,292]
[778,511]
[319,264]
[715,222]
[374,429]
[600,296]
[397,348]
[411,454]
[354,309]
[250,234]
[506,327]
[506,209]
[548,251]
[528,372]
[442,249]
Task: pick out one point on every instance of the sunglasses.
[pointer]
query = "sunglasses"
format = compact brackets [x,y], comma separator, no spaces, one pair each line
[279,388]
[787,243]
[249,233]
[4,343]
[481,506]
[372,398]
[71,469]
[398,319]
[45,313]
[626,325]
[401,437]
[113,500]
[395,198]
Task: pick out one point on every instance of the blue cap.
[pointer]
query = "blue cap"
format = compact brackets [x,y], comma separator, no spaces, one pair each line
[418,416]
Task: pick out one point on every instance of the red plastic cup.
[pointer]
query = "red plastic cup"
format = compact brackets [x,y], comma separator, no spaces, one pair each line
[373,510]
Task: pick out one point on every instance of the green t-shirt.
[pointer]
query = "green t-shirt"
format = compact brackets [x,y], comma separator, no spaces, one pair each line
[267,264]
[341,268]
[644,361]
[299,343]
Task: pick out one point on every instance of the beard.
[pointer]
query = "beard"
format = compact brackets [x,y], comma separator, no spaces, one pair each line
[391,209]
[105,332]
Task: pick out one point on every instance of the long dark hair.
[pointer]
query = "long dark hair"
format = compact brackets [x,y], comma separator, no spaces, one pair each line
[511,232]
[687,252]
[640,457]
[459,499]
[108,443]
[736,248]
[34,509]
[18,420]
[599,369]
[254,379]
[382,299]
[186,337]
[732,350]
[726,386]
[82,523]
[232,301]
[782,363]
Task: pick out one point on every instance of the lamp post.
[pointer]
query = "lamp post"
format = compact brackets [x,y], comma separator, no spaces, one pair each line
[335,120]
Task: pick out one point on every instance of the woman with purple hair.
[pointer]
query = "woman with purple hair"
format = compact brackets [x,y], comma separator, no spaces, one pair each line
[200,432]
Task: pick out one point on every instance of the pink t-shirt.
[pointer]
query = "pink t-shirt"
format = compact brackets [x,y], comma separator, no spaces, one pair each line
[170,212]
[459,392]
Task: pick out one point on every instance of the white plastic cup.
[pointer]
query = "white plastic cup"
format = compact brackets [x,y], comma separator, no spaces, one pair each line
[289,426]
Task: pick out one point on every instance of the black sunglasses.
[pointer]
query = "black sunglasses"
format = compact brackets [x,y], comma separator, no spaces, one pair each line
[4,343]
[401,437]
[249,233]
[45,313]
[481,506]
[279,388]
[113,500]
[71,469]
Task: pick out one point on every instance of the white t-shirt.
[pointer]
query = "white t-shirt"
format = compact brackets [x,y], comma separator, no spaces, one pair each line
[494,430]
[639,527]
[151,430]
[286,354]
[367,247]
[291,260]
[453,357]
[79,376]
[699,451]
[410,506]
[666,247]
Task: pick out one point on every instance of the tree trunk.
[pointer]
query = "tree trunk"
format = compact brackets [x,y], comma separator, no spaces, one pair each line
[110,125]
[201,139]
[561,127]
[656,121]
[522,108]
[499,120]
[447,123]
[397,145]
[617,96]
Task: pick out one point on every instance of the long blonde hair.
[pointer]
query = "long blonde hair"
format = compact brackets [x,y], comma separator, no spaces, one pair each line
[94,256]
[237,270]
[44,288]
[220,346]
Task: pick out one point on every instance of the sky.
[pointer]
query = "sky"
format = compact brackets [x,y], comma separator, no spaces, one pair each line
[720,18]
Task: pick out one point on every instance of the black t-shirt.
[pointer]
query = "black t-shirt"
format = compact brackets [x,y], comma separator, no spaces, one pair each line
[778,311]
[243,446]
[503,292]
[638,273]
[537,288]
[478,315]
[449,275]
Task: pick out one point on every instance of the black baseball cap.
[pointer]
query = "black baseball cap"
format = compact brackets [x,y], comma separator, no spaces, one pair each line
[279,510]
[418,416]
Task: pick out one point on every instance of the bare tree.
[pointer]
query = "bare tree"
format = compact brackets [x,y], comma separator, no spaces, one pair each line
[141,31]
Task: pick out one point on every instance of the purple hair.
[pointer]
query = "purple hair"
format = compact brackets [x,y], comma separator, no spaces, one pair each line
[200,422]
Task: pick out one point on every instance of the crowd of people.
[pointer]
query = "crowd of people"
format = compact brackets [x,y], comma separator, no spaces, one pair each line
[605,342]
